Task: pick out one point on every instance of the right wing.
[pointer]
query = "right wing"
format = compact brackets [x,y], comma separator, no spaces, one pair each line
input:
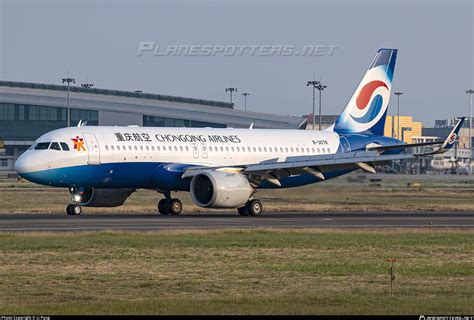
[445,145]
[273,170]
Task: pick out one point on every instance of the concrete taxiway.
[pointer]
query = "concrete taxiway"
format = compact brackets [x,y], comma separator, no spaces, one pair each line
[137,222]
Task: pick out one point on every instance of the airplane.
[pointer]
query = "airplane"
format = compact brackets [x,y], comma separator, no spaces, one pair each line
[221,167]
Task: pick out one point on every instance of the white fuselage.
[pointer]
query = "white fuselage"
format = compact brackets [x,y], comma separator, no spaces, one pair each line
[194,146]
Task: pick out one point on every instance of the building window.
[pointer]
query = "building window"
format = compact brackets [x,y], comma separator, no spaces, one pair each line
[3,162]
[154,121]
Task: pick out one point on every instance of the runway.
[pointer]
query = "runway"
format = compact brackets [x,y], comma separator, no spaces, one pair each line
[136,222]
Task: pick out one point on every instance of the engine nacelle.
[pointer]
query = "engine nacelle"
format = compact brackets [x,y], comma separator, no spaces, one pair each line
[101,197]
[218,189]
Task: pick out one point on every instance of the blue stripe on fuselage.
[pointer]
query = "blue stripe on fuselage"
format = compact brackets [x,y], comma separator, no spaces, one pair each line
[113,175]
[146,175]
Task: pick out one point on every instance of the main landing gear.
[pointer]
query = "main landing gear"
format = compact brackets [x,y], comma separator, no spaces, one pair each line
[253,208]
[170,206]
[73,209]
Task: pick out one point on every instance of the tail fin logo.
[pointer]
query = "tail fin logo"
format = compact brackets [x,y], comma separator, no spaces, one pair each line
[372,110]
[453,138]
[367,108]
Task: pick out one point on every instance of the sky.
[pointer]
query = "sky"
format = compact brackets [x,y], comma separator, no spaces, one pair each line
[98,42]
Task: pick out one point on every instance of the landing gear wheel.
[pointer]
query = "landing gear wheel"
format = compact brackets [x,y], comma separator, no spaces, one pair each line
[175,207]
[73,209]
[69,210]
[77,209]
[243,211]
[254,208]
[163,207]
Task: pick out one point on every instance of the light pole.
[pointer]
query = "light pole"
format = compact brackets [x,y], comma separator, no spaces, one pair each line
[87,85]
[470,92]
[230,90]
[320,87]
[398,94]
[68,81]
[313,83]
[245,94]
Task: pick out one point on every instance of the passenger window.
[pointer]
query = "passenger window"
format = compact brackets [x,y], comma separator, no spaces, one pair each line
[175,148]
[222,149]
[152,148]
[265,149]
[286,149]
[297,149]
[130,148]
[64,146]
[107,148]
[112,148]
[42,146]
[55,146]
[227,149]
[136,148]
[187,148]
[312,150]
[238,149]
[141,148]
[180,148]
[259,149]
[232,149]
[147,149]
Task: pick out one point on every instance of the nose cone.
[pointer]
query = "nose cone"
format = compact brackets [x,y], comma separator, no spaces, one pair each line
[23,164]
[20,165]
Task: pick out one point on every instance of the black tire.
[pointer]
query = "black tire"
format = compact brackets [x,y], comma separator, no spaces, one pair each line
[255,208]
[69,210]
[243,211]
[77,209]
[163,207]
[175,207]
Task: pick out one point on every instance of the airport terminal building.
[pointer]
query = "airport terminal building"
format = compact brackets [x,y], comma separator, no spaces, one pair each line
[28,110]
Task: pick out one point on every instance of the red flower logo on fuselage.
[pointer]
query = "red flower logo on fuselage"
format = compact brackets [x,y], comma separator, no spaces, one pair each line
[78,144]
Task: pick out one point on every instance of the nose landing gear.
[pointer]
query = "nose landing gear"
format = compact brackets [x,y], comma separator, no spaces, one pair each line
[73,209]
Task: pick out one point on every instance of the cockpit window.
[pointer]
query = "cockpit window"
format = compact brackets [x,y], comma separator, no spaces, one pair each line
[55,146]
[32,146]
[42,146]
[65,146]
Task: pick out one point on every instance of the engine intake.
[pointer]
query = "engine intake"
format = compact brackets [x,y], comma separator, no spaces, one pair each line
[101,197]
[218,189]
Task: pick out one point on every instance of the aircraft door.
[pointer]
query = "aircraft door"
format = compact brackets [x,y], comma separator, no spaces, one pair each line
[195,151]
[92,148]
[204,150]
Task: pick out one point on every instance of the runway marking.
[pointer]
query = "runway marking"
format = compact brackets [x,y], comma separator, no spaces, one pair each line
[27,223]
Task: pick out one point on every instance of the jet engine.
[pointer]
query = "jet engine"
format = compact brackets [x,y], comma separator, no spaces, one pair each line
[219,189]
[100,197]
